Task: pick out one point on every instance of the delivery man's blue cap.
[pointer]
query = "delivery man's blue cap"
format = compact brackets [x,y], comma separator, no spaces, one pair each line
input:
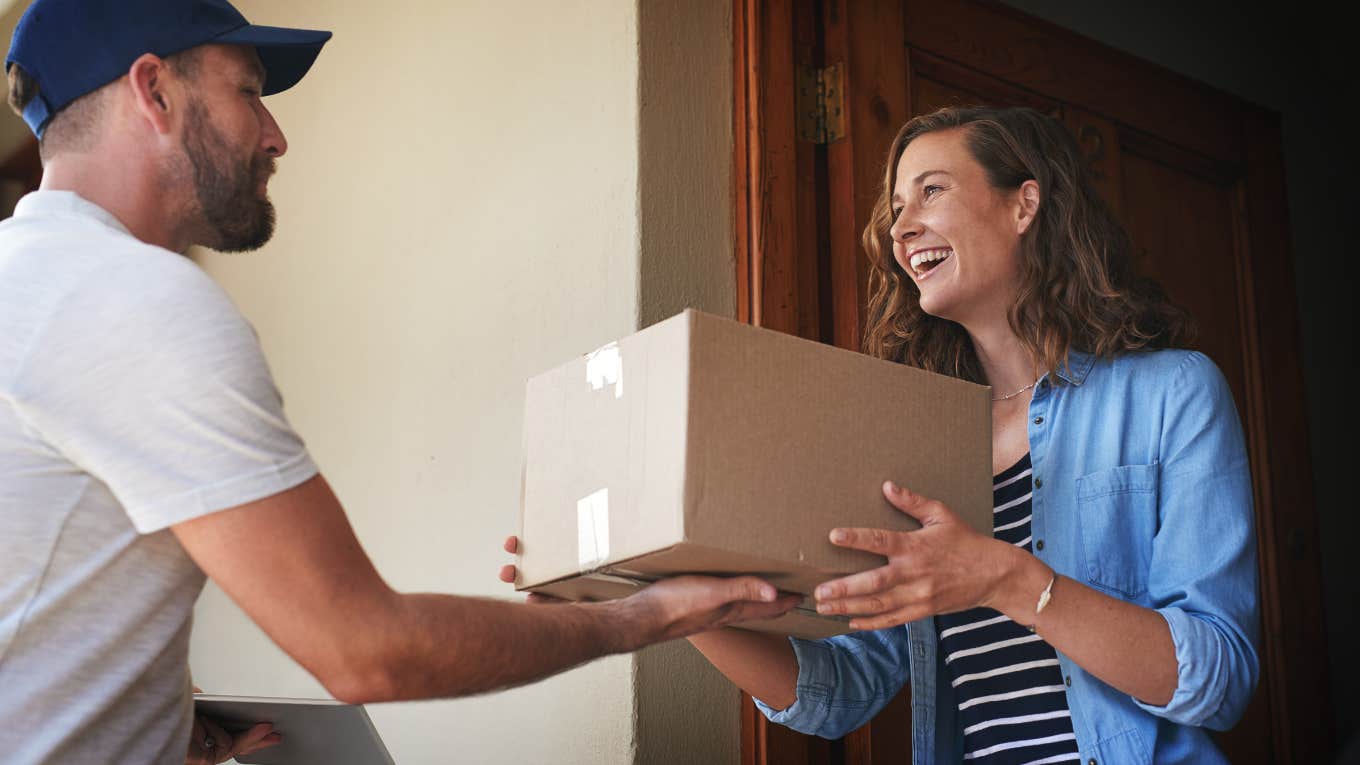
[74,47]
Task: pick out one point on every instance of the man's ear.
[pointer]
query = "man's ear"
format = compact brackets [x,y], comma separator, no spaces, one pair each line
[1028,208]
[151,96]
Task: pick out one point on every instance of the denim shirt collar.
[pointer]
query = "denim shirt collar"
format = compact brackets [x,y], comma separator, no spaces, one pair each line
[1077,367]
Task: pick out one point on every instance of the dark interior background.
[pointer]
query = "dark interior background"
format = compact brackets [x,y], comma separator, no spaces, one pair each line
[1288,58]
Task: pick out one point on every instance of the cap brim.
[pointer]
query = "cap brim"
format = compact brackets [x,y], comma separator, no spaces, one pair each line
[287,54]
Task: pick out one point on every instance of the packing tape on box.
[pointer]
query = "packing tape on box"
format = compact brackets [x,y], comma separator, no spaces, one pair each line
[604,366]
[592,529]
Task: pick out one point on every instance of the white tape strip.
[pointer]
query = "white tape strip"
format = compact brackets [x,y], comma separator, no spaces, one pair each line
[605,367]
[592,530]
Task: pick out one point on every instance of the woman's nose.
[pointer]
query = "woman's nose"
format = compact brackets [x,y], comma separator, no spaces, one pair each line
[903,228]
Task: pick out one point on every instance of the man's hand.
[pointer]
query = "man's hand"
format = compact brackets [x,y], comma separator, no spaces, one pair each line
[209,744]
[685,605]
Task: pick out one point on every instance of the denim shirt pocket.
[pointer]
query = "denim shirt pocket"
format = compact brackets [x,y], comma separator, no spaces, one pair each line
[1117,514]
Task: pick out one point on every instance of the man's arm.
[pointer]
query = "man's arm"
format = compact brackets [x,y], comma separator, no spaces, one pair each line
[292,563]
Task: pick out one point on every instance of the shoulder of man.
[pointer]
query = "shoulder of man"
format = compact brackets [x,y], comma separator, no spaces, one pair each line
[131,304]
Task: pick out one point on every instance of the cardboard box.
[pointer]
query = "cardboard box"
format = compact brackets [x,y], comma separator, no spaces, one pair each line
[703,445]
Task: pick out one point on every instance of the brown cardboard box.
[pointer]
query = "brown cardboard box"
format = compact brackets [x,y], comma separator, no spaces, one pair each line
[703,445]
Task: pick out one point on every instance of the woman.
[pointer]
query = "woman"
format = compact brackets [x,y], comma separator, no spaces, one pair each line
[1112,617]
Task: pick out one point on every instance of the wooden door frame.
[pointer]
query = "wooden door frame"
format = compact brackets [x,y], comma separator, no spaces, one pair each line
[22,165]
[779,251]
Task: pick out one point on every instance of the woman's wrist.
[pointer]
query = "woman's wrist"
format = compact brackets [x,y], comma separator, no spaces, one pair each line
[1024,580]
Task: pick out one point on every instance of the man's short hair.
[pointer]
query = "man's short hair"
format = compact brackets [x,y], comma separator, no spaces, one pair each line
[73,128]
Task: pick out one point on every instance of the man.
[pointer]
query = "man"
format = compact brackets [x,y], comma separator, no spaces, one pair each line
[142,441]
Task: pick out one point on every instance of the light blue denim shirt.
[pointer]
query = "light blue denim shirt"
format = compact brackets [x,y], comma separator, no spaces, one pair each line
[1142,491]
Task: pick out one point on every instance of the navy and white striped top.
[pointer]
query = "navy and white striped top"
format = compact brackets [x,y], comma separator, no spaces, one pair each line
[1012,701]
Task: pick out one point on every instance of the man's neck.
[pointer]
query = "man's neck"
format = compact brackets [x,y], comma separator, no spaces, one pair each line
[146,208]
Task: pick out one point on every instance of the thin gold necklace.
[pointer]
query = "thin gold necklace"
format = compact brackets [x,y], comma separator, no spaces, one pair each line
[1022,390]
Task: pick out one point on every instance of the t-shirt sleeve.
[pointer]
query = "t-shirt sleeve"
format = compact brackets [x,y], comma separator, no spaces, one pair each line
[147,377]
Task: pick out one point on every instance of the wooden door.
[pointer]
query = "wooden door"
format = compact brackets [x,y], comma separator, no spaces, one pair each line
[1195,175]
[20,173]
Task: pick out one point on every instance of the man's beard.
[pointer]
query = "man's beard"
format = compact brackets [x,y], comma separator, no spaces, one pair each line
[237,217]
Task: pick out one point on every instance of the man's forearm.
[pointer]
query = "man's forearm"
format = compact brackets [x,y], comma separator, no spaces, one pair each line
[436,646]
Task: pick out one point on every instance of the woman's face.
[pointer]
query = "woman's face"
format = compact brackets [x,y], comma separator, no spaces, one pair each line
[956,236]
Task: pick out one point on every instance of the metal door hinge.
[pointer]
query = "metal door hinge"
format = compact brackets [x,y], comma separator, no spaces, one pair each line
[820,103]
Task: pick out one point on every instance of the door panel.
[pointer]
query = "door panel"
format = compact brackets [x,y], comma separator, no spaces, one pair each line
[1099,142]
[1182,230]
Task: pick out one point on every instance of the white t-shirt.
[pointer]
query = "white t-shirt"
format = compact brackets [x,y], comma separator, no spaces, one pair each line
[133,396]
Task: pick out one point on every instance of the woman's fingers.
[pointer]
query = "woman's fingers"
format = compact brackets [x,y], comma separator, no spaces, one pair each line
[887,601]
[922,508]
[891,619]
[511,544]
[880,541]
[508,572]
[863,583]
[915,595]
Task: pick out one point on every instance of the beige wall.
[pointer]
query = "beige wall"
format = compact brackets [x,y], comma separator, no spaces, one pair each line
[457,212]
[474,192]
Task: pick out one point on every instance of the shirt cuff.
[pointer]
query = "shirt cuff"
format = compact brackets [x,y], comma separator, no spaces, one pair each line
[816,678]
[1198,690]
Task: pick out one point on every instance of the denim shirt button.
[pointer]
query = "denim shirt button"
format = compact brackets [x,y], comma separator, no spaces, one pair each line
[1038,482]
[1068,681]
[1039,545]
[1039,420]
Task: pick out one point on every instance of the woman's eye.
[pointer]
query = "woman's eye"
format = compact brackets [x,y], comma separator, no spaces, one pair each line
[896,213]
[929,191]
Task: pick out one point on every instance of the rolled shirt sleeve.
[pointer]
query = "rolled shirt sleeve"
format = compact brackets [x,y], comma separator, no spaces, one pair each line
[844,681]
[1202,576]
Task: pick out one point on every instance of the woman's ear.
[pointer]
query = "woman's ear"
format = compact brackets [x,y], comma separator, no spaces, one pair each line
[1028,208]
[153,100]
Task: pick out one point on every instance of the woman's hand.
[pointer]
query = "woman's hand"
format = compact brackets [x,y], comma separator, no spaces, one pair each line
[509,573]
[943,567]
[209,744]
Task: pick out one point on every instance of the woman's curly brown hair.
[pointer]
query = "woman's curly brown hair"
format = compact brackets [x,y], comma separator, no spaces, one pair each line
[1079,289]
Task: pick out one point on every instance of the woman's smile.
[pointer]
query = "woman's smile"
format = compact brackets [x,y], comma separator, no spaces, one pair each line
[925,261]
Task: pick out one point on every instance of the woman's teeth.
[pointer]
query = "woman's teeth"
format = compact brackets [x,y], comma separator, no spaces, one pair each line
[924,260]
